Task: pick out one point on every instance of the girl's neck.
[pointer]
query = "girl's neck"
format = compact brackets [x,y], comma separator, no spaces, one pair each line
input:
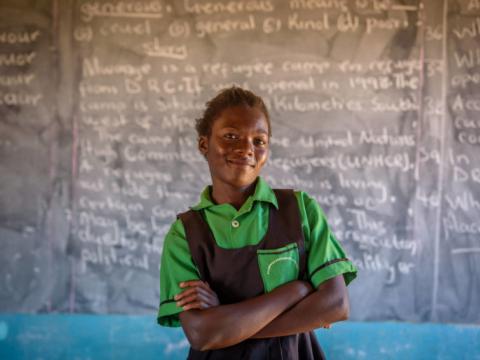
[224,194]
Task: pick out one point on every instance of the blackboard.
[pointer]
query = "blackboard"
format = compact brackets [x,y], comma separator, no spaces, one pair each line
[374,105]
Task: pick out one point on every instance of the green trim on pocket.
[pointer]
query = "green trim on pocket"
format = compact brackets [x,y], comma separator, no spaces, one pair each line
[278,266]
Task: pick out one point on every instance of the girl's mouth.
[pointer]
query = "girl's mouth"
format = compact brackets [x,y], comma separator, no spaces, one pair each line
[242,163]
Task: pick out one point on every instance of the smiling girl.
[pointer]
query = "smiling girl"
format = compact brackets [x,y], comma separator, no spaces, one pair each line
[250,271]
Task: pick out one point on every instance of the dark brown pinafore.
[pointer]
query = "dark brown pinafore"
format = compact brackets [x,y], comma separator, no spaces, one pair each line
[235,276]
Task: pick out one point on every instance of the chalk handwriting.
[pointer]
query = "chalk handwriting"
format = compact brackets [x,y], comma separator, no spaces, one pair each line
[465,79]
[87,88]
[320,23]
[102,106]
[461,104]
[362,184]
[23,37]
[210,27]
[462,122]
[141,28]
[371,242]
[174,103]
[326,141]
[341,5]
[19,98]
[376,263]
[294,181]
[462,174]
[128,9]
[400,161]
[254,68]
[465,201]
[93,67]
[155,49]
[388,105]
[386,138]
[363,222]
[148,177]
[380,24]
[468,60]
[109,204]
[227,7]
[106,121]
[454,225]
[472,30]
[108,257]
[17,59]
[134,154]
[298,104]
[306,67]
[274,87]
[17,79]
[469,138]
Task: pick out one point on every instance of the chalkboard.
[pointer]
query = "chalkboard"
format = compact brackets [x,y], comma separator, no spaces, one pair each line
[374,107]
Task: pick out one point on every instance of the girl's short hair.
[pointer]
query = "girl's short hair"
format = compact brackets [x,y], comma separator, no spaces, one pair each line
[226,98]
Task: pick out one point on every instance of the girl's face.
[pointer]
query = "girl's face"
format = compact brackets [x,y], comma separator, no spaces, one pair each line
[237,147]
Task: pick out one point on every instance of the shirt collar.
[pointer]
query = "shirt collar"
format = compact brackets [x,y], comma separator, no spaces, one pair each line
[263,192]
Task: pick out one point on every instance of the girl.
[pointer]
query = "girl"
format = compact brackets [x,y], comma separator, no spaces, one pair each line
[249,271]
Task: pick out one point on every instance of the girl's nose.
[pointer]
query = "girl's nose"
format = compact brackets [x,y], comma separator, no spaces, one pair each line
[244,147]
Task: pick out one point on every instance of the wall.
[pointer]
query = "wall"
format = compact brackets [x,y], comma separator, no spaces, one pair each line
[83,337]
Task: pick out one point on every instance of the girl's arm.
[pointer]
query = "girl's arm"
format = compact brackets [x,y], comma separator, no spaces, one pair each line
[328,304]
[225,325]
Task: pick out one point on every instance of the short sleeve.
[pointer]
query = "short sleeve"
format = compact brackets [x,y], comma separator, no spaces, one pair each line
[326,258]
[176,266]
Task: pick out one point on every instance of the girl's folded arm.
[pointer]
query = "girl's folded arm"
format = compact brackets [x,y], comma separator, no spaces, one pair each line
[225,325]
[328,304]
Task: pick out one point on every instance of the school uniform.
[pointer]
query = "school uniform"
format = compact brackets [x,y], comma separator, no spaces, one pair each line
[275,237]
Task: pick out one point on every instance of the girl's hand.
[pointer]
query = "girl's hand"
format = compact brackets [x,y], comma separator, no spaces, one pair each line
[197,295]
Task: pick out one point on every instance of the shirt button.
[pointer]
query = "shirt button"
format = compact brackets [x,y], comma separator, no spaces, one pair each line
[235,224]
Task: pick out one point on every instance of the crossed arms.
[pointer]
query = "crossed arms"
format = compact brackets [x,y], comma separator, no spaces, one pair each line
[289,309]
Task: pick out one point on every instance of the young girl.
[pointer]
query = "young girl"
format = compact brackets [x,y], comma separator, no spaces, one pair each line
[249,271]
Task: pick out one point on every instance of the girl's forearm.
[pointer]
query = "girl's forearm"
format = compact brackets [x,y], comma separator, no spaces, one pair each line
[226,325]
[326,305]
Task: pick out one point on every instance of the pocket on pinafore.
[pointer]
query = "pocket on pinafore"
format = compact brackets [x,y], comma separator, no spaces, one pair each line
[278,266]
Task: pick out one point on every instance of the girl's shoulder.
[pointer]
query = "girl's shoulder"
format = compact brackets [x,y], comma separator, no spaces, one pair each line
[308,204]
[175,235]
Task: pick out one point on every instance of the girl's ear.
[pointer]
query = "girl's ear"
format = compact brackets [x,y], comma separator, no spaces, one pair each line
[203,145]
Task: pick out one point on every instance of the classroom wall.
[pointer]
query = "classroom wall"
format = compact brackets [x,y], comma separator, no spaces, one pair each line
[83,337]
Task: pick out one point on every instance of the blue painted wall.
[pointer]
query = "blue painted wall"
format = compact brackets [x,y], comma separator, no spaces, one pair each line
[82,337]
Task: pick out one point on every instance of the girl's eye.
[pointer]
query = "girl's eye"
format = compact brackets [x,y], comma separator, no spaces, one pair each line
[230,136]
[260,142]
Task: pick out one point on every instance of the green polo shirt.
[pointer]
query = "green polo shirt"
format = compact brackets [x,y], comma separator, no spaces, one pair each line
[233,229]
